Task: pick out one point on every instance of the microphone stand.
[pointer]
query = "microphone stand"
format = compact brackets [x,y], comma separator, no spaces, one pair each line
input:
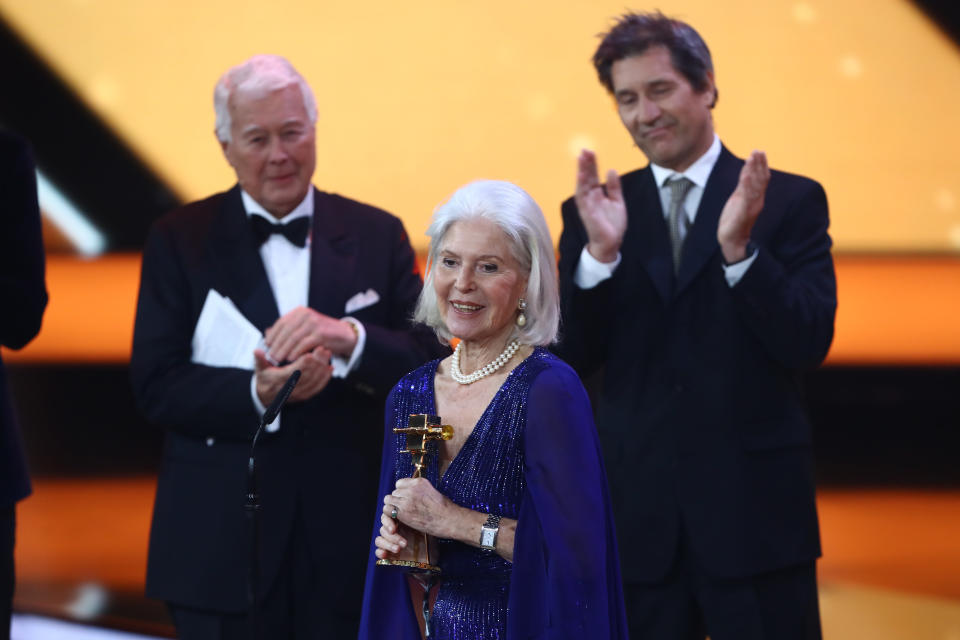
[252,504]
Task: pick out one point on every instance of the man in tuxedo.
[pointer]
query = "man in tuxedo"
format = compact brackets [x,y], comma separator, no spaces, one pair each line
[699,288]
[24,294]
[331,283]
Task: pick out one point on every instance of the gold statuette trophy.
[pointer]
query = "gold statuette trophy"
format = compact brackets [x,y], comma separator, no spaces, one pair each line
[419,555]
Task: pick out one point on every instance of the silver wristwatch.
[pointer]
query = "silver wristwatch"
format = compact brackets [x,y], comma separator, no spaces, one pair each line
[489,531]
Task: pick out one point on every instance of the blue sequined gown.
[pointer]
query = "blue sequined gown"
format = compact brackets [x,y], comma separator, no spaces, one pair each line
[522,462]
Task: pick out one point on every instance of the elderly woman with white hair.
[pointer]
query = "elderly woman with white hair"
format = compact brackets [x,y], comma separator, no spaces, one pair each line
[517,500]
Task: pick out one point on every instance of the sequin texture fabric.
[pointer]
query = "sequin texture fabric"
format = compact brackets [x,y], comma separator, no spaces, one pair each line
[486,476]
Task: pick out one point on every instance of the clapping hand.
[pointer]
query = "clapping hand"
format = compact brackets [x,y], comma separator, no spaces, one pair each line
[601,207]
[303,329]
[315,373]
[742,208]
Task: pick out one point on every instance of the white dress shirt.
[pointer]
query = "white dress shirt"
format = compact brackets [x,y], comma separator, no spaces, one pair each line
[591,272]
[288,271]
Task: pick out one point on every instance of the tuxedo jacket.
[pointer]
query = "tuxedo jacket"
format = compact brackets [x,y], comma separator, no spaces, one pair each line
[23,292]
[323,463]
[699,408]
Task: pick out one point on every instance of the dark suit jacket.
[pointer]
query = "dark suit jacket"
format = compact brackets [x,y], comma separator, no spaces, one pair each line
[23,292]
[699,409]
[324,459]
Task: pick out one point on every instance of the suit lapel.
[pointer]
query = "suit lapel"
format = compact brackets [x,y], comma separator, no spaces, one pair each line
[701,241]
[240,274]
[647,231]
[333,258]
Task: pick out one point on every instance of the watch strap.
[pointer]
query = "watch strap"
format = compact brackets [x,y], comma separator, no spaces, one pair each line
[489,531]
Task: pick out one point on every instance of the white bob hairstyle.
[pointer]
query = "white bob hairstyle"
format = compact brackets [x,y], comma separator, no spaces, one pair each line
[518,216]
[259,75]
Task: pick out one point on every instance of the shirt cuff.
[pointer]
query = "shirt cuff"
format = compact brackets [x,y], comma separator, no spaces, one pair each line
[734,272]
[342,366]
[273,426]
[591,272]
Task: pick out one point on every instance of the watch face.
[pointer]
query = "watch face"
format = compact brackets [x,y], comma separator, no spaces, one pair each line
[488,537]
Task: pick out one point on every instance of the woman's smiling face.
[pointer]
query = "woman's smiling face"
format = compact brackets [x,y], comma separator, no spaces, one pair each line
[478,281]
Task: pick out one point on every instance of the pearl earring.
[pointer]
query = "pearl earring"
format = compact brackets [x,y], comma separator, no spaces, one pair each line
[522,317]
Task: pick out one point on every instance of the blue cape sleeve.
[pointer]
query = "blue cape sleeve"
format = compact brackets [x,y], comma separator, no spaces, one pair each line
[387,609]
[566,573]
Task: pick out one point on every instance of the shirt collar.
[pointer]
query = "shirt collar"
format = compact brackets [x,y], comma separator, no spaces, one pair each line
[305,208]
[697,173]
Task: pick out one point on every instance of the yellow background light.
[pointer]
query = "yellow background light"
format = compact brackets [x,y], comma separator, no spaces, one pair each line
[417,98]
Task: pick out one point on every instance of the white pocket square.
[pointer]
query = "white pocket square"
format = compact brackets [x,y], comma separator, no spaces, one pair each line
[361,300]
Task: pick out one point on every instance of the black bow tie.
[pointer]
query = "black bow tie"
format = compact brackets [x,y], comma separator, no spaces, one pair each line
[295,231]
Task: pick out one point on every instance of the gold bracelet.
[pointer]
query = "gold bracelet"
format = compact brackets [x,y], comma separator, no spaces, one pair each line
[353,325]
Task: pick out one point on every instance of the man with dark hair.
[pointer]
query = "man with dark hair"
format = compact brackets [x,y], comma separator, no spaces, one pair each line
[331,284]
[702,286]
[24,296]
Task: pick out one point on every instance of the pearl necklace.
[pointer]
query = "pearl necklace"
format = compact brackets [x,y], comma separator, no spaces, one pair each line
[484,371]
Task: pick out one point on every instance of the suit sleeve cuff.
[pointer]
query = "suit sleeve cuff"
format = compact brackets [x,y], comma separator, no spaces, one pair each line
[343,366]
[735,272]
[273,426]
[591,272]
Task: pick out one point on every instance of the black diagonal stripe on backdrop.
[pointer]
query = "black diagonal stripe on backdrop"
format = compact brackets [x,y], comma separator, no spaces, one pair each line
[79,153]
[945,14]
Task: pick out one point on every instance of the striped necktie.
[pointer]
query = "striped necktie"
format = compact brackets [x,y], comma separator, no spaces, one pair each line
[679,187]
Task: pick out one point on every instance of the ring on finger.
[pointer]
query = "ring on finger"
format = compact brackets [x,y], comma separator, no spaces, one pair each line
[395,512]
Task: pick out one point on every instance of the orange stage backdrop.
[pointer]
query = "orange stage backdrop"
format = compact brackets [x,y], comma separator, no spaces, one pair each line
[892,311]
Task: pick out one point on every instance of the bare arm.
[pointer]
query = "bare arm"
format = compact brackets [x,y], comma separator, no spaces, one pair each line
[421,507]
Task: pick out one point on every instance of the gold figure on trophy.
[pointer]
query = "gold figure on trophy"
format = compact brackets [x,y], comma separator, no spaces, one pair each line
[420,555]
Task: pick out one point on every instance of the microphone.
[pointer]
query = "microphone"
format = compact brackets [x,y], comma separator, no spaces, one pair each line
[252,504]
[274,409]
[268,416]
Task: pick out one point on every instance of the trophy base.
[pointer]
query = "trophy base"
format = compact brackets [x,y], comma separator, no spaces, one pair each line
[417,567]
